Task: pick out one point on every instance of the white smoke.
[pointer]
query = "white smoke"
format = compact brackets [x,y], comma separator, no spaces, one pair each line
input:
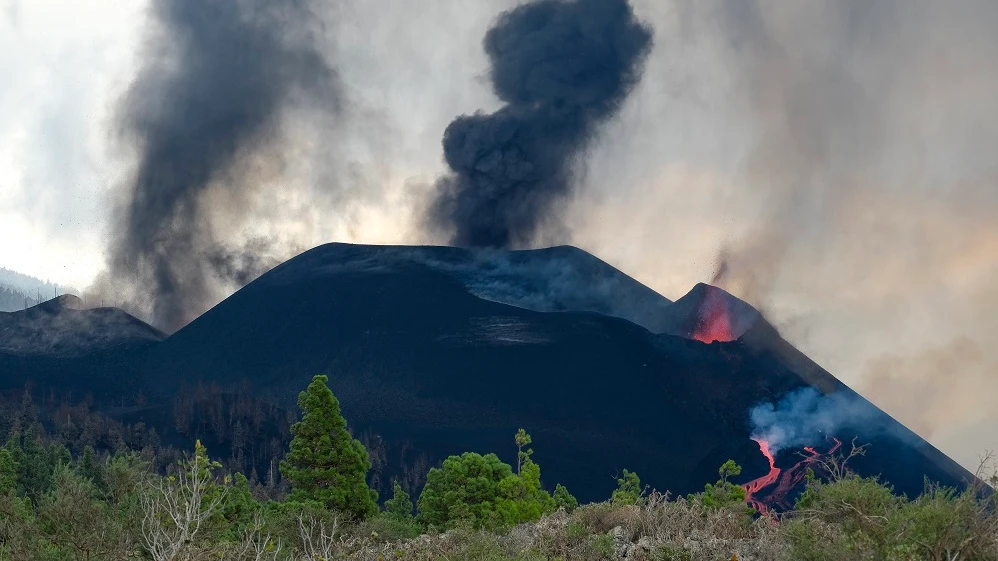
[805,417]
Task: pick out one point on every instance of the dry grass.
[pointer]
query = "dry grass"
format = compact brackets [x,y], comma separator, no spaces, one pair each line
[659,530]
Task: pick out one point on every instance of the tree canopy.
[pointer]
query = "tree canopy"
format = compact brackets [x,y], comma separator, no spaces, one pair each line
[325,463]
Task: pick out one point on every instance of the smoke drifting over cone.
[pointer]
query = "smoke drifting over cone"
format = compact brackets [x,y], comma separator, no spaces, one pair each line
[806,417]
[562,68]
[209,96]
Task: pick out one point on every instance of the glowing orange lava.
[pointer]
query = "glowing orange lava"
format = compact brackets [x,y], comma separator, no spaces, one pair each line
[785,481]
[713,322]
[754,486]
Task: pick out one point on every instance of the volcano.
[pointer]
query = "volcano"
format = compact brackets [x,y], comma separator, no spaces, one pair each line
[434,351]
[709,314]
[62,327]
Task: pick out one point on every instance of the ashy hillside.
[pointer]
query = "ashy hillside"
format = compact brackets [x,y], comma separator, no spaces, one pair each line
[435,351]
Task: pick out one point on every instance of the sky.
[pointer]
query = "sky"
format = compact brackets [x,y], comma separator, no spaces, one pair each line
[837,156]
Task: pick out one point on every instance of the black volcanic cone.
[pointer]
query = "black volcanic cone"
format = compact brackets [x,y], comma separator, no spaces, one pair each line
[62,327]
[425,366]
[704,302]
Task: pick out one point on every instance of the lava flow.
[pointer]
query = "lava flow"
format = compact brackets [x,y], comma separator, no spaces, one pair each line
[786,481]
[713,322]
[795,476]
[754,486]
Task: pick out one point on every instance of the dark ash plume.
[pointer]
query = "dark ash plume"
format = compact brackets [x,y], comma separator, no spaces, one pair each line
[562,67]
[243,265]
[216,76]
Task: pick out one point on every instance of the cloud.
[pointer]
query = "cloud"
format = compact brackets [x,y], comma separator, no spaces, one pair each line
[939,390]
[838,156]
[206,113]
[561,68]
[12,11]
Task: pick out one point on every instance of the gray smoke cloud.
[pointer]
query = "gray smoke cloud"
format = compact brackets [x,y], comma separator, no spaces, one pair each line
[561,67]
[806,417]
[834,161]
[869,152]
[817,118]
[205,113]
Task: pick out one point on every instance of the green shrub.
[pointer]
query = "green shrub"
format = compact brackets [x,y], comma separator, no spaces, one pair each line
[603,545]
[483,492]
[671,552]
[724,494]
[628,491]
[400,505]
[386,527]
[564,499]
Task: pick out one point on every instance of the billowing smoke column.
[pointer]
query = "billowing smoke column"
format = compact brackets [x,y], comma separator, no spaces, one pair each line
[807,417]
[215,78]
[562,67]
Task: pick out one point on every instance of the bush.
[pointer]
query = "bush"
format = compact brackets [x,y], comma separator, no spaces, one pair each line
[628,491]
[465,488]
[476,492]
[564,499]
[386,527]
[400,505]
[862,518]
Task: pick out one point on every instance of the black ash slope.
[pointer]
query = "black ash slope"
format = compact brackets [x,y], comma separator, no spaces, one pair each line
[436,351]
[58,345]
[420,358]
[62,327]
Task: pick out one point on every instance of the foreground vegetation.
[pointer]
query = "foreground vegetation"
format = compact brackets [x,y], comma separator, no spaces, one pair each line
[119,506]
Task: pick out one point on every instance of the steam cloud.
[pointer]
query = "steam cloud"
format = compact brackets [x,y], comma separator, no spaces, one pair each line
[216,77]
[802,416]
[836,158]
[812,120]
[562,67]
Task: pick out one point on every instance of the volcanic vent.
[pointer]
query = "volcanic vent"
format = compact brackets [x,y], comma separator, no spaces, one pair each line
[708,314]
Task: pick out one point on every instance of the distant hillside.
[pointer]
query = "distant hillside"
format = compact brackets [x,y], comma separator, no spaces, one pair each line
[12,299]
[61,327]
[19,291]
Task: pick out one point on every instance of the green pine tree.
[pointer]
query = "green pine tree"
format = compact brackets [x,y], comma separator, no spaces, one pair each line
[629,490]
[729,469]
[522,499]
[325,464]
[564,499]
[400,505]
[35,477]
[89,468]
[14,450]
[238,506]
[465,489]
[724,494]
[522,439]
[8,471]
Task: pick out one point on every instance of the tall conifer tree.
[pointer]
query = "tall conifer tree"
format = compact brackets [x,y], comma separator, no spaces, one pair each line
[325,464]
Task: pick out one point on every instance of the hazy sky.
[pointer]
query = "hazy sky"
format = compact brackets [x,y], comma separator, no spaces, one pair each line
[840,155]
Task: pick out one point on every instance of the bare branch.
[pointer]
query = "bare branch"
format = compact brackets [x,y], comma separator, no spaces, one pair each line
[175,508]
[317,538]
